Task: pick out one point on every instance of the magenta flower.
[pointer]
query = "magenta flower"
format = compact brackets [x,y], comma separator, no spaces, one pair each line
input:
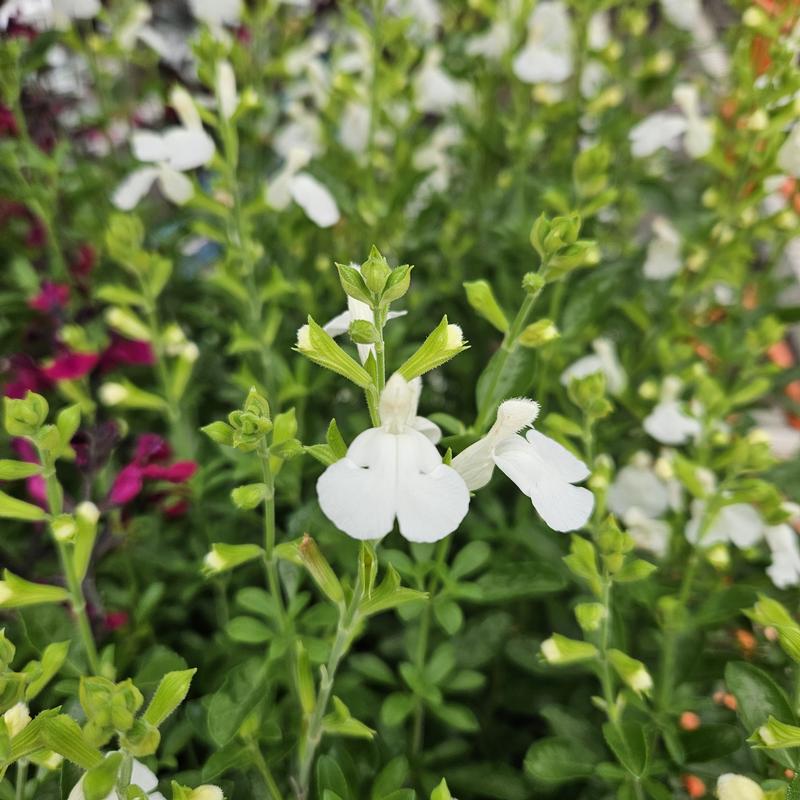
[25,376]
[70,366]
[51,297]
[122,351]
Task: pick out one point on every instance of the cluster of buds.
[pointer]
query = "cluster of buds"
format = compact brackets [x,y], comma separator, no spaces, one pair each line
[557,243]
[247,427]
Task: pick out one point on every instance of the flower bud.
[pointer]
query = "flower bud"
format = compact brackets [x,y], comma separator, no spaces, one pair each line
[443,343]
[738,787]
[590,616]
[113,394]
[226,89]
[632,671]
[183,104]
[16,718]
[375,271]
[481,297]
[224,557]
[206,792]
[533,283]
[560,651]
[318,346]
[776,735]
[539,333]
[126,322]
[24,417]
[320,570]
[63,528]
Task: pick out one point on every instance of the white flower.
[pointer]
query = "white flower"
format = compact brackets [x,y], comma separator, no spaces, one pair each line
[667,422]
[44,14]
[688,15]
[648,533]
[436,91]
[494,42]
[784,571]
[738,787]
[784,440]
[789,154]
[665,128]
[598,33]
[603,360]
[663,258]
[540,467]
[16,719]
[394,472]
[357,309]
[738,523]
[173,152]
[216,13]
[637,486]
[290,183]
[426,16]
[141,776]
[226,89]
[547,55]
[354,127]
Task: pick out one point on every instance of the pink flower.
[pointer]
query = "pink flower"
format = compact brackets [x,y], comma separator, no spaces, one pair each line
[70,366]
[114,620]
[150,449]
[25,376]
[51,297]
[125,351]
[83,262]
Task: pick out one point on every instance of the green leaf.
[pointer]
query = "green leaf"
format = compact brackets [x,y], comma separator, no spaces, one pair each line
[219,432]
[53,658]
[470,559]
[16,470]
[449,615]
[515,581]
[558,760]
[628,742]
[331,778]
[11,508]
[99,781]
[248,630]
[710,742]
[457,716]
[16,592]
[441,792]
[68,422]
[396,707]
[249,496]
[63,735]
[335,440]
[636,570]
[390,778]
[170,694]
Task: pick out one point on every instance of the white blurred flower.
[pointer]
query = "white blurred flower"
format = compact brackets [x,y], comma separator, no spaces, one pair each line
[394,472]
[425,15]
[783,438]
[303,130]
[173,152]
[668,423]
[291,183]
[226,89]
[665,128]
[216,13]
[648,533]
[17,718]
[45,14]
[638,486]
[688,15]
[541,468]
[598,33]
[141,776]
[547,56]
[435,90]
[784,571]
[738,523]
[603,360]
[788,159]
[663,258]
[354,127]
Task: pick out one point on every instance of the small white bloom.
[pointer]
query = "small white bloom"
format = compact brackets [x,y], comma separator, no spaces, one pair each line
[738,523]
[783,439]
[550,651]
[291,183]
[17,719]
[637,486]
[436,91]
[173,152]
[604,360]
[663,258]
[494,42]
[112,394]
[354,127]
[699,131]
[207,792]
[394,472]
[668,423]
[541,468]
[426,16]
[784,571]
[738,787]
[88,511]
[649,534]
[141,776]
[789,154]
[226,89]
[45,14]
[216,13]
[547,55]
[640,681]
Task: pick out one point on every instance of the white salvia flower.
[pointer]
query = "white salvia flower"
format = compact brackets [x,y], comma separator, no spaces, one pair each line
[226,89]
[547,55]
[426,16]
[604,360]
[783,439]
[738,787]
[663,258]
[141,776]
[637,486]
[303,130]
[540,467]
[16,719]
[598,33]
[112,394]
[667,422]
[356,309]
[173,152]
[184,106]
[495,41]
[394,472]
[354,127]
[45,14]
[784,571]
[435,91]
[291,183]
[789,154]
[688,15]
[738,523]
[647,533]
[434,158]
[593,78]
[665,128]
[216,13]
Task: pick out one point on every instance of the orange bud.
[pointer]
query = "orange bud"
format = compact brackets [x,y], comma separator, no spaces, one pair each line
[693,785]
[746,641]
[690,721]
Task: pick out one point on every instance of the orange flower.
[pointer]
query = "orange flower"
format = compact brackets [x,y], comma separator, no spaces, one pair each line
[693,785]
[690,721]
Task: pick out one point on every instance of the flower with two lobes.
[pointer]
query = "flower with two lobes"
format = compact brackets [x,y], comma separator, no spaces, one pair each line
[395,472]
[541,468]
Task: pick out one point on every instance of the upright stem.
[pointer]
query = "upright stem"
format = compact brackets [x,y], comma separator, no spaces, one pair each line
[265,772]
[77,599]
[606,676]
[22,779]
[421,653]
[348,622]
[269,530]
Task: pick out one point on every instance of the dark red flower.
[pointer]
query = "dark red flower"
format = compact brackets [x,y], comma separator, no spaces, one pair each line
[51,297]
[8,125]
[114,620]
[70,366]
[83,262]
[122,351]
[26,376]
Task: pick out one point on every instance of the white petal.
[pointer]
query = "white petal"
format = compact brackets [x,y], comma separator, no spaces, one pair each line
[432,498]
[359,492]
[476,464]
[175,185]
[648,534]
[656,131]
[667,424]
[785,568]
[535,64]
[226,89]
[587,365]
[744,525]
[699,137]
[143,777]
[397,405]
[148,146]
[428,429]
[637,487]
[562,506]
[128,194]
[278,194]
[188,148]
[616,377]
[315,200]
[513,416]
[663,260]
[338,325]
[216,12]
[557,457]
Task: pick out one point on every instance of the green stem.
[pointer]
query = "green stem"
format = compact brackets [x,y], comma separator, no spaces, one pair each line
[606,675]
[269,531]
[77,598]
[509,345]
[22,779]
[421,653]
[348,622]
[265,772]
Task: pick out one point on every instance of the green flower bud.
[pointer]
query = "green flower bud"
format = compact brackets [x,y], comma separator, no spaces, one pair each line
[631,671]
[24,417]
[561,651]
[362,331]
[481,297]
[533,283]
[539,333]
[375,271]
[314,343]
[590,616]
[444,342]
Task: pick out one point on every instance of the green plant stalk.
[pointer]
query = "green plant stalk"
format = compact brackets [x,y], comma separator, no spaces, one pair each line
[348,623]
[77,598]
[508,346]
[22,779]
[269,531]
[265,771]
[421,653]
[606,674]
